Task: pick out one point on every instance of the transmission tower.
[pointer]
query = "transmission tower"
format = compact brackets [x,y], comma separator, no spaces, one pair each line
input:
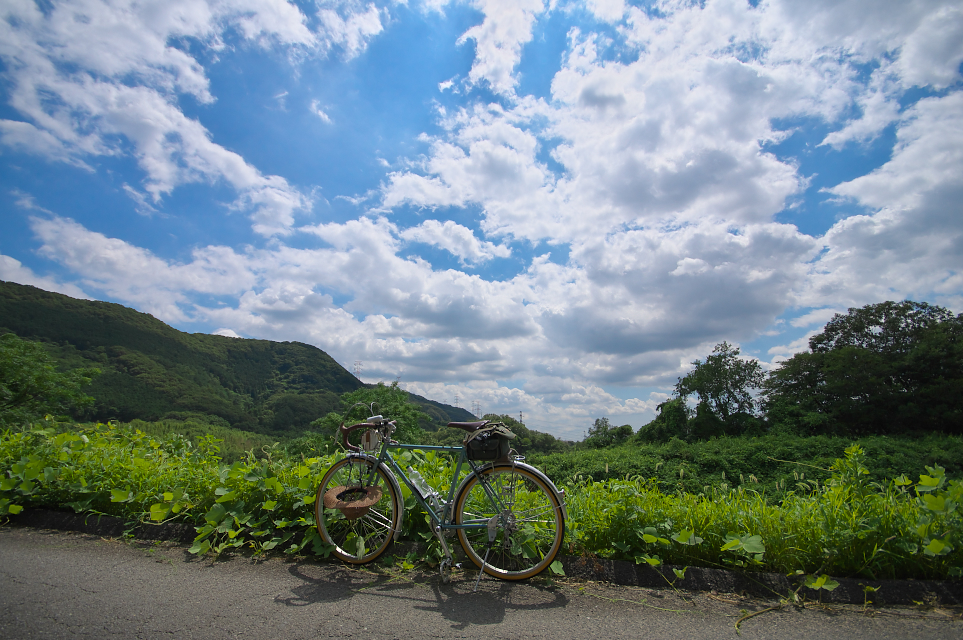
[476,408]
[358,366]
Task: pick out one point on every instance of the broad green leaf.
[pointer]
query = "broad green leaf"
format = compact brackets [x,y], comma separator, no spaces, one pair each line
[822,582]
[120,495]
[934,503]
[733,543]
[216,514]
[753,544]
[269,505]
[937,547]
[158,511]
[200,547]
[557,568]
[14,509]
[929,483]
[687,537]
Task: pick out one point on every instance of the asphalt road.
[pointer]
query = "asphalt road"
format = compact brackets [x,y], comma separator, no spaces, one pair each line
[68,585]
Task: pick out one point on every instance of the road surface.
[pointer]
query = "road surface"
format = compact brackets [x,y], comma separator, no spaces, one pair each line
[67,585]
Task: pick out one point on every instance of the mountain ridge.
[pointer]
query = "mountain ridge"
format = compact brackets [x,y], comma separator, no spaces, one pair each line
[152,371]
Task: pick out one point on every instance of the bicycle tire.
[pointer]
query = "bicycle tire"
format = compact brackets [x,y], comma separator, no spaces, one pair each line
[529,530]
[368,534]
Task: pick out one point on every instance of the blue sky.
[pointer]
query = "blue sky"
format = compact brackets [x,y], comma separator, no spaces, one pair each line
[540,207]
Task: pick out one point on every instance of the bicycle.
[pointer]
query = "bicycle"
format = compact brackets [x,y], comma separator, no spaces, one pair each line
[508,516]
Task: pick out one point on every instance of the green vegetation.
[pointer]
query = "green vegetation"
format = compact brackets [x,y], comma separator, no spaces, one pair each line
[884,368]
[151,371]
[773,465]
[887,368]
[602,434]
[31,386]
[225,434]
[847,525]
[527,441]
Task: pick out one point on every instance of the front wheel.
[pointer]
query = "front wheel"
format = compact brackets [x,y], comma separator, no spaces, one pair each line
[358,517]
[519,526]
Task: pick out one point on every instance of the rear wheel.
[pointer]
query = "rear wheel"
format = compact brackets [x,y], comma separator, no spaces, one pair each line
[357,517]
[523,525]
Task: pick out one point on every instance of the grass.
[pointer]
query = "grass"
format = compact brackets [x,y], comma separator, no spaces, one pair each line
[846,522]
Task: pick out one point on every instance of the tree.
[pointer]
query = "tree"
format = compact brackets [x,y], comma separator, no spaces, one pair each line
[723,384]
[602,434]
[392,403]
[671,420]
[886,367]
[31,387]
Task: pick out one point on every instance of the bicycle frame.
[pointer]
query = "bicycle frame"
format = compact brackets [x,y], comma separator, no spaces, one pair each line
[447,509]
[444,519]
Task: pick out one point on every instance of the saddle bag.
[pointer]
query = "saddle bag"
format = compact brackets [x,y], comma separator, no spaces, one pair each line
[489,444]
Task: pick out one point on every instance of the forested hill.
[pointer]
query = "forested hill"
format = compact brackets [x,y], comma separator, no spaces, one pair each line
[151,371]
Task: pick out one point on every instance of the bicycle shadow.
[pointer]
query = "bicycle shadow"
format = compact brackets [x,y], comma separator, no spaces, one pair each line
[456,601]
[323,583]
[459,603]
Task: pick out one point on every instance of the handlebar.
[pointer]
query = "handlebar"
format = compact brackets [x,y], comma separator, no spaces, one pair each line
[363,425]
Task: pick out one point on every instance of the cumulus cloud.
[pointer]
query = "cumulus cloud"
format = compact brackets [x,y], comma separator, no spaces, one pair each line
[499,39]
[12,270]
[87,74]
[650,169]
[910,242]
[135,275]
[458,240]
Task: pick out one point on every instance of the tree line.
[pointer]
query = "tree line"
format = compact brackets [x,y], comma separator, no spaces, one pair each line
[886,368]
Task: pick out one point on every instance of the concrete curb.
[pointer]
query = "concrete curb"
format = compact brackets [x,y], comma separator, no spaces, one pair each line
[768,585]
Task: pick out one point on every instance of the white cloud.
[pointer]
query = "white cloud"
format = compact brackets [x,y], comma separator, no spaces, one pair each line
[135,275]
[816,316]
[318,111]
[351,32]
[458,240]
[911,242]
[499,39]
[650,168]
[12,270]
[88,73]
[607,10]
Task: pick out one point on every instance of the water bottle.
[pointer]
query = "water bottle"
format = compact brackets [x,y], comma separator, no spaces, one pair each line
[422,487]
